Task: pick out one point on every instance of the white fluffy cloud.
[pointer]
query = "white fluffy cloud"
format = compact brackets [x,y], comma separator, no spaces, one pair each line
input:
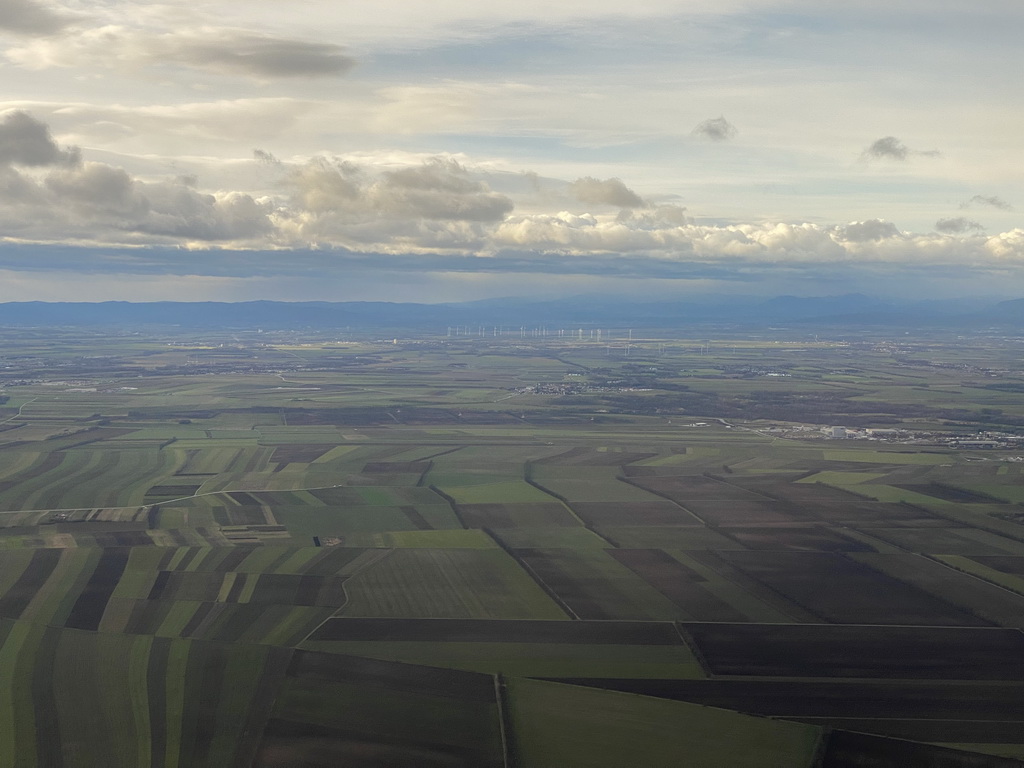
[438,208]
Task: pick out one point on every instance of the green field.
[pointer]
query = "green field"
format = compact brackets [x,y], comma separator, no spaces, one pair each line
[502,551]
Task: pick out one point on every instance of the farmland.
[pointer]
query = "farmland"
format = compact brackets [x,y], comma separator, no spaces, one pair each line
[288,548]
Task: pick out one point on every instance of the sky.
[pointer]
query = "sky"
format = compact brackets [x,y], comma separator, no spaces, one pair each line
[458,150]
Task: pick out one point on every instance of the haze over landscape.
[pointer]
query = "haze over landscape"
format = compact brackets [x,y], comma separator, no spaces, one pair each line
[404,152]
[522,385]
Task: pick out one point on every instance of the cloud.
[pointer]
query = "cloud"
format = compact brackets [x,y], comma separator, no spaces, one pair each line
[991,201]
[606,192]
[264,157]
[30,18]
[27,141]
[434,204]
[95,202]
[716,129]
[213,49]
[891,148]
[956,226]
[262,56]
[872,230]
[394,212]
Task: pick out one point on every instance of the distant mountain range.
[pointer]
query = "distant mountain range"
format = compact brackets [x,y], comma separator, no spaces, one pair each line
[574,312]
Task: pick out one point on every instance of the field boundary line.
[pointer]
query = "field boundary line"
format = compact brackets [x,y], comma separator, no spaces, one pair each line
[976,576]
[451,503]
[18,414]
[249,490]
[344,589]
[694,515]
[528,477]
[504,720]
[564,606]
[691,644]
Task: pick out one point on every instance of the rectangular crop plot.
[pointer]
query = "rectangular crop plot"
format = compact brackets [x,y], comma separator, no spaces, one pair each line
[852,750]
[302,453]
[748,512]
[348,711]
[804,538]
[631,513]
[485,631]
[448,583]
[683,489]
[678,583]
[820,650]
[537,515]
[843,591]
[950,493]
[594,458]
[592,584]
[909,699]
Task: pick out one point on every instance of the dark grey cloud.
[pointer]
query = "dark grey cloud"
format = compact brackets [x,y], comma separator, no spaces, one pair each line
[716,129]
[956,226]
[109,198]
[96,201]
[868,231]
[211,49]
[341,193]
[605,192]
[439,189]
[30,18]
[259,56]
[262,156]
[991,201]
[27,141]
[97,188]
[891,148]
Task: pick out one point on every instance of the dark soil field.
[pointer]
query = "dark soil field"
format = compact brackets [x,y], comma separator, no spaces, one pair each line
[489,631]
[843,591]
[1014,565]
[613,513]
[538,515]
[855,750]
[686,488]
[678,583]
[812,538]
[745,512]
[912,653]
[950,493]
[898,700]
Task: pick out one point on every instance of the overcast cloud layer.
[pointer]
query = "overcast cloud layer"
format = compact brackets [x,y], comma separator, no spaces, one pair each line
[393,150]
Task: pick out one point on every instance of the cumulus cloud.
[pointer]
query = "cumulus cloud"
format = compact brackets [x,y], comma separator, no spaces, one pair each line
[956,226]
[96,201]
[218,50]
[439,189]
[30,18]
[27,141]
[606,192]
[871,230]
[58,196]
[891,148]
[397,212]
[991,201]
[716,129]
